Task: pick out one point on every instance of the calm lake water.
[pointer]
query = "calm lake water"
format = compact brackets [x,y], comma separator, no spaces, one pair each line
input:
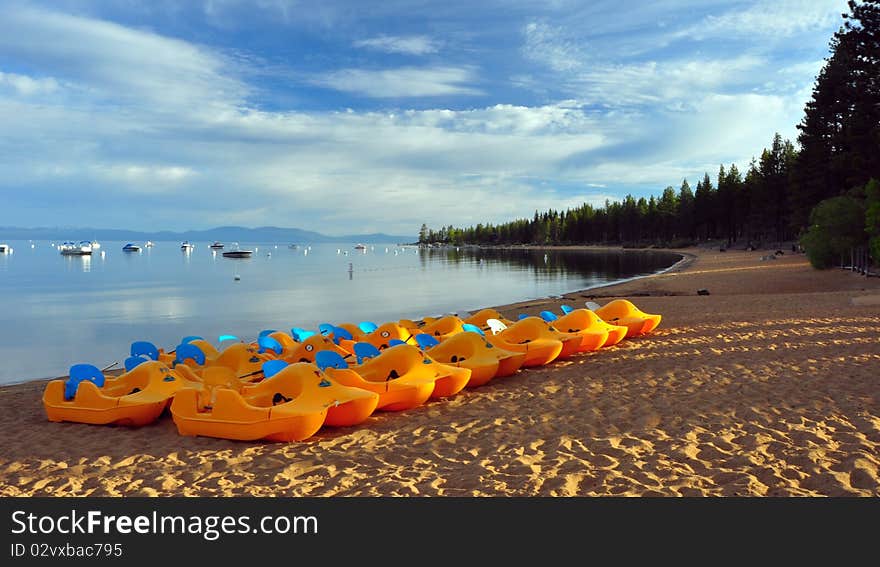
[62,310]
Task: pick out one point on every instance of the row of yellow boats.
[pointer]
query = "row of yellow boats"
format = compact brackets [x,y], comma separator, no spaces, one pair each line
[286,386]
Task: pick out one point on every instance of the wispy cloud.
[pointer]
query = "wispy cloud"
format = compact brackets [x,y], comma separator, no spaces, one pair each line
[120,64]
[409,45]
[770,18]
[548,45]
[671,83]
[402,82]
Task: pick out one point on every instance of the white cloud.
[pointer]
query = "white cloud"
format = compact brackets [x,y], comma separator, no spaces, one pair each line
[141,176]
[27,86]
[772,18]
[402,82]
[119,64]
[409,45]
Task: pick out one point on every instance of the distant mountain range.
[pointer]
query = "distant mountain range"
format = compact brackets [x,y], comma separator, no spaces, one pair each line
[221,233]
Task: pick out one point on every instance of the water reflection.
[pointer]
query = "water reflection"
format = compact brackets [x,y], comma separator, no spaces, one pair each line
[551,263]
[78,263]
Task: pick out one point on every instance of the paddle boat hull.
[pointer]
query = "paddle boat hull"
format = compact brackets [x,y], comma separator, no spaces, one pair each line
[625,313]
[133,399]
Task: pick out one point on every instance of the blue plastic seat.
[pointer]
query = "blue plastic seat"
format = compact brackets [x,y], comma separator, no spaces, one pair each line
[266,332]
[566,309]
[273,367]
[426,341]
[473,329]
[268,343]
[145,348]
[341,333]
[133,361]
[325,329]
[186,350]
[329,359]
[522,316]
[364,351]
[548,316]
[300,335]
[81,373]
[367,326]
[395,342]
[189,338]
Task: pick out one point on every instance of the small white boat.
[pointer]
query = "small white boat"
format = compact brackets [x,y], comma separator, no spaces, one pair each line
[5,249]
[149,244]
[84,248]
[217,245]
[237,252]
[360,246]
[95,245]
[131,248]
[187,246]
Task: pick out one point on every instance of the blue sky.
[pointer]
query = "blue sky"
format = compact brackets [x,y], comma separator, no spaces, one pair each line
[354,116]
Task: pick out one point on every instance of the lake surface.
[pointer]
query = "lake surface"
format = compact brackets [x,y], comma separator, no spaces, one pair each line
[62,310]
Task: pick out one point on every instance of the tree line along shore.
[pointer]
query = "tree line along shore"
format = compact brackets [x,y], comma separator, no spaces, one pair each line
[822,192]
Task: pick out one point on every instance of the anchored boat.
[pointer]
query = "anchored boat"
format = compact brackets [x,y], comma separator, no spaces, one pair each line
[237,252]
[84,248]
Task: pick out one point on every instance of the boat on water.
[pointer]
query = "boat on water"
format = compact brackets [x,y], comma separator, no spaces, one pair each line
[149,244]
[292,246]
[217,245]
[236,252]
[84,248]
[130,247]
[187,246]
[95,245]
[5,249]
[360,246]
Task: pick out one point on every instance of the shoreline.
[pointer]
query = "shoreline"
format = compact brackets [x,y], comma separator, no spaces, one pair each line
[765,387]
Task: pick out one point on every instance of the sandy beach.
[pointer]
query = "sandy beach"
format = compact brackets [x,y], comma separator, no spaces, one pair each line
[768,386]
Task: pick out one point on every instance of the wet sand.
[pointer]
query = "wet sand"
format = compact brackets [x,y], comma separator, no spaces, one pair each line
[768,386]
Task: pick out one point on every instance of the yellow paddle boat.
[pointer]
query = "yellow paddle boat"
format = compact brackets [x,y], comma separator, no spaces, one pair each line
[346,406]
[291,405]
[135,398]
[480,318]
[623,312]
[595,332]
[525,337]
[244,360]
[383,336]
[402,376]
[473,351]
[440,328]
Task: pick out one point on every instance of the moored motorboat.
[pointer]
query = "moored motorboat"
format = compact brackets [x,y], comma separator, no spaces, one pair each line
[217,245]
[84,248]
[237,252]
[130,247]
[5,249]
[187,246]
